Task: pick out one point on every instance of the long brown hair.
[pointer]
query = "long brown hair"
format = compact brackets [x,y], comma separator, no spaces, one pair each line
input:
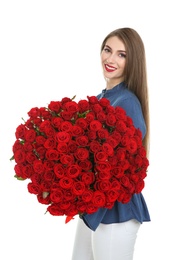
[135,74]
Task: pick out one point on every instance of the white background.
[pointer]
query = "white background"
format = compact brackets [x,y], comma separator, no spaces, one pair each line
[48,50]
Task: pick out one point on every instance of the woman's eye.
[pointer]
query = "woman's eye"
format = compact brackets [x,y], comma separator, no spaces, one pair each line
[123,55]
[106,50]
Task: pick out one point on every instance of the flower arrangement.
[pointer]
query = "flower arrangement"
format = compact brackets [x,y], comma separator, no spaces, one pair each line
[79,156]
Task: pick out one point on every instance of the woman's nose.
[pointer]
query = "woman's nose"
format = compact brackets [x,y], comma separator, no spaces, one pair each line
[111,58]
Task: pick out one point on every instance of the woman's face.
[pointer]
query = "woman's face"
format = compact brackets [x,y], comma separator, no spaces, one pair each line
[113,59]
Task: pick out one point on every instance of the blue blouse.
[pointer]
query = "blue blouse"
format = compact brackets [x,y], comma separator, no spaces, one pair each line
[136,208]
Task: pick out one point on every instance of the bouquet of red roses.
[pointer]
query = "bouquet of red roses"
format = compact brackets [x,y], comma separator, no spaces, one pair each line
[80,156]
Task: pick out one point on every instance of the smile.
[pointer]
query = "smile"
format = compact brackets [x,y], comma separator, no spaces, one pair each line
[109,68]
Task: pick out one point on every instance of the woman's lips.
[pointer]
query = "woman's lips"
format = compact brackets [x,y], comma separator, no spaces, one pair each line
[109,68]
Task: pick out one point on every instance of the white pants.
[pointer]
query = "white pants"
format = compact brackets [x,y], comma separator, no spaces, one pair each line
[108,242]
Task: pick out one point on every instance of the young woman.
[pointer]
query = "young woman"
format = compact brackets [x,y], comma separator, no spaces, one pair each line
[110,234]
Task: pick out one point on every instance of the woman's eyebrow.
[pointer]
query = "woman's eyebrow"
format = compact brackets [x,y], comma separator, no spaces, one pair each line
[122,51]
[107,46]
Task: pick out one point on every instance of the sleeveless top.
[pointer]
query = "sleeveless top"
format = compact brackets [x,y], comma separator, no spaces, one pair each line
[136,208]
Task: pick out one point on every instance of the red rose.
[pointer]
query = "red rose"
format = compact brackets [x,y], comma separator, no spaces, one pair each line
[56,196]
[112,195]
[45,186]
[104,175]
[107,148]
[34,112]
[118,172]
[82,140]
[110,119]
[92,99]
[62,137]
[102,185]
[139,186]
[66,126]
[40,151]
[87,177]
[91,208]
[45,124]
[101,116]
[38,166]
[103,166]
[112,142]
[40,140]
[59,170]
[33,188]
[27,171]
[121,126]
[49,131]
[67,115]
[56,122]
[120,154]
[55,210]
[120,113]
[71,211]
[72,146]
[138,160]
[52,154]
[48,165]
[142,152]
[50,143]
[98,199]
[95,146]
[55,106]
[17,146]
[81,207]
[68,195]
[86,165]
[83,106]
[97,108]
[95,125]
[104,102]
[42,199]
[66,183]
[18,168]
[90,117]
[132,146]
[20,156]
[87,195]
[49,175]
[82,154]
[67,159]
[103,133]
[62,147]
[71,106]
[124,197]
[65,100]
[30,135]
[30,157]
[82,123]
[78,187]
[100,156]
[76,130]
[125,181]
[73,171]
[45,114]
[20,131]
[64,205]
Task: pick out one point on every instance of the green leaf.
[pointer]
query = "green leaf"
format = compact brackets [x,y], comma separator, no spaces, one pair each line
[12,158]
[73,97]
[19,178]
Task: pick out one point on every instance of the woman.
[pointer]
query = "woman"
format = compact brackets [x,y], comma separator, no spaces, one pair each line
[110,234]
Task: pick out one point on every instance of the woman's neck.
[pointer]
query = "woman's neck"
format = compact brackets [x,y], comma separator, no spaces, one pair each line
[110,85]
